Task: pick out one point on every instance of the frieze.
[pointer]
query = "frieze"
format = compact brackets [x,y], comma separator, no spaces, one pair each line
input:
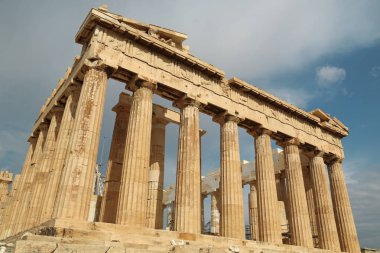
[149,61]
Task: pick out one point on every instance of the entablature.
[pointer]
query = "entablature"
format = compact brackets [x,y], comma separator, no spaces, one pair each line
[110,42]
[119,25]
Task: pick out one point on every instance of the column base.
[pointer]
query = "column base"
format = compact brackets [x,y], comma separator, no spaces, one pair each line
[69,235]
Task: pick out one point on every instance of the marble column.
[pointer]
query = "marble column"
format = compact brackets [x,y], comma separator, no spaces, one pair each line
[133,194]
[60,154]
[77,187]
[327,232]
[345,224]
[215,212]
[6,200]
[299,222]
[156,174]
[188,181]
[21,223]
[252,205]
[4,189]
[42,175]
[231,195]
[110,198]
[25,174]
[203,197]
[310,202]
[170,216]
[268,217]
[7,203]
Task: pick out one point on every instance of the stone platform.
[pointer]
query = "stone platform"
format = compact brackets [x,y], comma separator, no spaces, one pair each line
[82,237]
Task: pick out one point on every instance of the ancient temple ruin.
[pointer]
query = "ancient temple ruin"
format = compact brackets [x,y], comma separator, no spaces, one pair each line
[54,198]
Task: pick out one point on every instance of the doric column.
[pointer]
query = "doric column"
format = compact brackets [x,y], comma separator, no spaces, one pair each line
[268,217]
[134,183]
[231,195]
[252,204]
[203,213]
[215,212]
[61,150]
[156,174]
[5,181]
[6,199]
[170,216]
[6,207]
[42,175]
[21,223]
[328,236]
[78,174]
[345,224]
[115,162]
[17,204]
[188,182]
[310,202]
[299,221]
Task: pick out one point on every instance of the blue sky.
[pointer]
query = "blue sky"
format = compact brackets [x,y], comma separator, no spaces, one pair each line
[314,54]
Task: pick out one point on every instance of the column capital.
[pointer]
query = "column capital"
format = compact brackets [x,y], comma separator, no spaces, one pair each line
[98,65]
[257,131]
[314,153]
[334,159]
[225,117]
[73,88]
[158,120]
[186,101]
[289,142]
[124,104]
[141,82]
[57,110]
[252,186]
[121,108]
[32,139]
[43,126]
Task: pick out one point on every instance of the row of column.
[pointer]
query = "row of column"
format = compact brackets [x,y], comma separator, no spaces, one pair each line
[49,161]
[57,176]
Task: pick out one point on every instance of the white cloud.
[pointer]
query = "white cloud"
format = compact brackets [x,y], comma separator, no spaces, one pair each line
[375,71]
[328,75]
[270,37]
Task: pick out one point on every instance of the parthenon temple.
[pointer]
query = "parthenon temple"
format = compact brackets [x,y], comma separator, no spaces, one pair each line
[298,199]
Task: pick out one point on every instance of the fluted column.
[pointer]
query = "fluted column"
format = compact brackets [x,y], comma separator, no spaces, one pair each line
[78,174]
[268,217]
[7,204]
[310,202]
[188,182]
[156,174]
[110,198]
[42,175]
[134,183]
[6,200]
[4,185]
[170,216]
[21,223]
[299,216]
[203,197]
[327,232]
[60,153]
[231,195]
[215,212]
[252,204]
[10,226]
[345,224]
